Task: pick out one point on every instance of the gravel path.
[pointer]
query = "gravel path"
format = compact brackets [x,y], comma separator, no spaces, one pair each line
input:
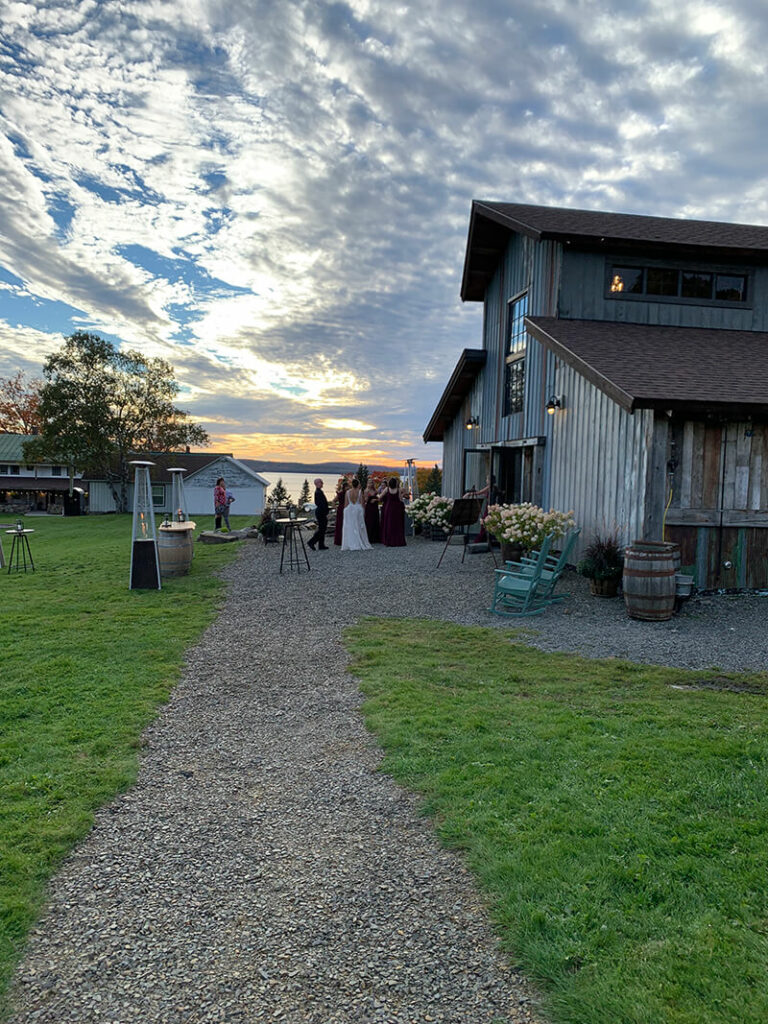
[262,869]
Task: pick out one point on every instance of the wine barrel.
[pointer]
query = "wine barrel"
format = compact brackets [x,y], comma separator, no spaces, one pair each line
[175,550]
[649,580]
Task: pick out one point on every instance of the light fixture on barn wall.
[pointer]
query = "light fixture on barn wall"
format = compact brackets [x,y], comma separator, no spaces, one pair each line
[473,422]
[553,404]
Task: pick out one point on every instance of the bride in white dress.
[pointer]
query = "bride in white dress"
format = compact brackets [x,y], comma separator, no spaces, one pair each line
[354,536]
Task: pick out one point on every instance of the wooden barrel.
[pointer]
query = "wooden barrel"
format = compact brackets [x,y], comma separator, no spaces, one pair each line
[649,580]
[175,550]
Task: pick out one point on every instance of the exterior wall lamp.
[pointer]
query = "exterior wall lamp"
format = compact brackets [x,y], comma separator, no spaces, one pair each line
[553,404]
[473,422]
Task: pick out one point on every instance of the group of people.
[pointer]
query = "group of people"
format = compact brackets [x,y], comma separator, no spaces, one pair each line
[363,517]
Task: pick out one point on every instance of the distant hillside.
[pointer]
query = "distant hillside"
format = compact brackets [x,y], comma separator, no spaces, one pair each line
[338,468]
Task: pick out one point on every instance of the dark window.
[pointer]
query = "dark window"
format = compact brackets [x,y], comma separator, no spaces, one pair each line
[30,469]
[15,470]
[731,287]
[4,470]
[55,470]
[627,279]
[669,283]
[158,494]
[514,386]
[661,281]
[696,285]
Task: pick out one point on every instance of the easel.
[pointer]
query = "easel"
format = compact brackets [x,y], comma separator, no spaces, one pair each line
[465,512]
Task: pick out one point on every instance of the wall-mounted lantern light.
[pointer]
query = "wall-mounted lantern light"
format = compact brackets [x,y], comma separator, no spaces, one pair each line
[473,422]
[553,404]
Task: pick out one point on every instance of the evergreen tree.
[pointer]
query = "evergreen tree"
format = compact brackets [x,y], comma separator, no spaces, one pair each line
[362,475]
[305,495]
[278,495]
[435,480]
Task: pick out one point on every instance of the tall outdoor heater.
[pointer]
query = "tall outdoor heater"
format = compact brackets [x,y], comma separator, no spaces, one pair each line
[175,537]
[145,566]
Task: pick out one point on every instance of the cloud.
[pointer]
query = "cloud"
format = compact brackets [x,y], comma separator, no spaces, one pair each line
[275,196]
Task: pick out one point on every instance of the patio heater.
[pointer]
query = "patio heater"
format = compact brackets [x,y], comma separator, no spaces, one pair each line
[145,565]
[176,547]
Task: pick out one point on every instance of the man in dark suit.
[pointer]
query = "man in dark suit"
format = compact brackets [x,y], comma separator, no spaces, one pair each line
[321,515]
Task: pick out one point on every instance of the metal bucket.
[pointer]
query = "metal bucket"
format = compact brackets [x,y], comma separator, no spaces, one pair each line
[649,580]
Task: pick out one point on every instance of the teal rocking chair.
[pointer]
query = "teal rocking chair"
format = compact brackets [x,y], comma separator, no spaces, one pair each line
[554,565]
[518,593]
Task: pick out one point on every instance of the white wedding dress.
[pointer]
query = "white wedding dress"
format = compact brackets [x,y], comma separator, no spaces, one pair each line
[354,536]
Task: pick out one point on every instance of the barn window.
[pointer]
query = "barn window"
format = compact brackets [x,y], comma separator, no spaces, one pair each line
[514,370]
[675,283]
[158,494]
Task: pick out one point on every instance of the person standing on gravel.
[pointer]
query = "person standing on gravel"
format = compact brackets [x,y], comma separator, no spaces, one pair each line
[321,515]
[219,503]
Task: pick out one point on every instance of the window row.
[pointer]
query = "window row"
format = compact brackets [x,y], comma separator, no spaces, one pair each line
[14,470]
[668,282]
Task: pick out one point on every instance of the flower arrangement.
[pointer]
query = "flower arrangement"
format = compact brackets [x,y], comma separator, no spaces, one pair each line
[431,510]
[526,524]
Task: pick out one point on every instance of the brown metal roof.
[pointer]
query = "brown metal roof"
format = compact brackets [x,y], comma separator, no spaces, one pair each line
[469,365]
[491,224]
[39,483]
[686,369]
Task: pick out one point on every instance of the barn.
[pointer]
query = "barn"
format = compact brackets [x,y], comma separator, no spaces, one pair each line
[623,373]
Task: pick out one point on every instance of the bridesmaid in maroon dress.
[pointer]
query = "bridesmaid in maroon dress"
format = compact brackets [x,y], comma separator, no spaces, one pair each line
[392,516]
[341,495]
[372,513]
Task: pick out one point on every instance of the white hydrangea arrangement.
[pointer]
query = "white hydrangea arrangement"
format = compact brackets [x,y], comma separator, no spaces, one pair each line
[431,509]
[526,524]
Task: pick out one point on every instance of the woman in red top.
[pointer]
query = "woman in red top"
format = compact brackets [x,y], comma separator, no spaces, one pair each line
[219,502]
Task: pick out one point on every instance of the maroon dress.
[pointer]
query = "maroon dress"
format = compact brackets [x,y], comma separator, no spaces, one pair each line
[392,520]
[372,518]
[339,518]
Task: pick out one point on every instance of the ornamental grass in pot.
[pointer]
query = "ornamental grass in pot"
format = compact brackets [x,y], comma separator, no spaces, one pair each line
[603,564]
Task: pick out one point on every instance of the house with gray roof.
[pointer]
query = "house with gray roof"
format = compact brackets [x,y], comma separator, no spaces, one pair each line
[623,373]
[33,487]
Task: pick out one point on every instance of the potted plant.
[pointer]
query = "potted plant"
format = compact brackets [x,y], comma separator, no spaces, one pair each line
[603,564]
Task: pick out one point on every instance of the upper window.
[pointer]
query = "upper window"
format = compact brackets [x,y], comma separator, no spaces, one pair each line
[672,283]
[55,470]
[514,371]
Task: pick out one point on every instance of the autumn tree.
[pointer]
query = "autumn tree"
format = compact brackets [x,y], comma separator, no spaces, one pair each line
[20,405]
[100,406]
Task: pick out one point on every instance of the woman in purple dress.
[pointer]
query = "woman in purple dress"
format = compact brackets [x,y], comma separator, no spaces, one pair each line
[392,516]
[372,512]
[341,496]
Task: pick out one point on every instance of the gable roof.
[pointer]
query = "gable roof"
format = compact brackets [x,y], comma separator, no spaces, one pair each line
[692,370]
[491,224]
[11,447]
[469,365]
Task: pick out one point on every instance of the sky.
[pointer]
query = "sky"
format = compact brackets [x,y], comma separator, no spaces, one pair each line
[274,195]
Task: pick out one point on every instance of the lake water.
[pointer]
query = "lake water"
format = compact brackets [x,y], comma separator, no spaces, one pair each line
[293,482]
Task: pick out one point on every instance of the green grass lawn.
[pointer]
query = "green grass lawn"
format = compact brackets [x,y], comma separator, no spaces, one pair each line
[86,663]
[617,824]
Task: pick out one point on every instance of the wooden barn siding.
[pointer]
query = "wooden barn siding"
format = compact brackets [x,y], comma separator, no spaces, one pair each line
[599,459]
[457,439]
[582,297]
[718,510]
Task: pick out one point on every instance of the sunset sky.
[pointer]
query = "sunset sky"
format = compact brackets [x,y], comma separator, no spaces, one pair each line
[274,196]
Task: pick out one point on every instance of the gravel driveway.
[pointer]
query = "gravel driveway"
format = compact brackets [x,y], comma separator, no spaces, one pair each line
[262,869]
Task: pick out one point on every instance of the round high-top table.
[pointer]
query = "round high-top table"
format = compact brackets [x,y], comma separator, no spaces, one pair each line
[20,550]
[292,531]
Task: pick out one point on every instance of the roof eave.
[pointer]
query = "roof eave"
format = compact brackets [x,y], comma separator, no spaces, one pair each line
[467,368]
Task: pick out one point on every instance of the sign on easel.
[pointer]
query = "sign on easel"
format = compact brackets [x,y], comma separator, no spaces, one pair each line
[465,512]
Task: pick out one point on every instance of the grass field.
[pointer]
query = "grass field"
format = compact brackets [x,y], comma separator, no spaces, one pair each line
[615,815]
[86,663]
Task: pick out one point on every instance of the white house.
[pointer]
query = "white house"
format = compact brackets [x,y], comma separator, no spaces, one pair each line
[38,487]
[203,470]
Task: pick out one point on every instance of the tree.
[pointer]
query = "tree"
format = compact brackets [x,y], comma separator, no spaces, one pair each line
[434,480]
[20,405]
[362,475]
[305,496]
[279,495]
[100,406]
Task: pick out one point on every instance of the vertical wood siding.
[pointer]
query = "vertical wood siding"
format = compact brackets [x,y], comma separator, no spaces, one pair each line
[718,508]
[582,297]
[599,459]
